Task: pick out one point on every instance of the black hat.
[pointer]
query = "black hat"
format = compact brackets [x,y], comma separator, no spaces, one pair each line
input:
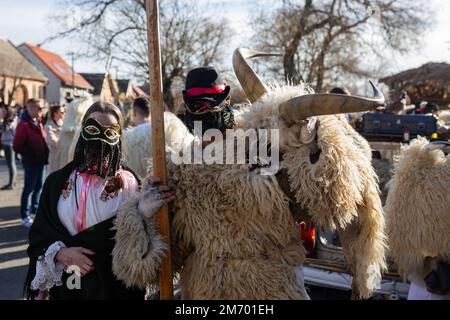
[205,84]
[340,90]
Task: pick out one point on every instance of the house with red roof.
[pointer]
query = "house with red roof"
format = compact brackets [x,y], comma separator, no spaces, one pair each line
[19,79]
[127,89]
[107,88]
[63,83]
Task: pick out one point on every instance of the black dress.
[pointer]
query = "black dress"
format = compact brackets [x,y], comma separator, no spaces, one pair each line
[47,229]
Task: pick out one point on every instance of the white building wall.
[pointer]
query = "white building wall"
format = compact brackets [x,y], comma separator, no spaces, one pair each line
[66,91]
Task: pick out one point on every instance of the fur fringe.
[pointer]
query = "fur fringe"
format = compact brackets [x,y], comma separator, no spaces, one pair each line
[246,245]
[332,188]
[139,248]
[364,243]
[245,239]
[340,191]
[418,208]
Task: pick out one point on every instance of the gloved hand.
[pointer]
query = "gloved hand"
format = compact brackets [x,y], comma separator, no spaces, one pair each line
[153,197]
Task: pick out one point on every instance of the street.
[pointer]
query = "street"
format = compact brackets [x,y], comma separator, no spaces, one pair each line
[13,239]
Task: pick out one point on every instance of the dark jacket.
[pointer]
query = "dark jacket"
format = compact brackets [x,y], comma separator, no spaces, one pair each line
[30,141]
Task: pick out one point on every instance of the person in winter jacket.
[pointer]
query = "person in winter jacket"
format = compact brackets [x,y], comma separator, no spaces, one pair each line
[30,142]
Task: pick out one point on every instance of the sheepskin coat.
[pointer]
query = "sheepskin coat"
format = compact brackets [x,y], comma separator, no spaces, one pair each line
[340,191]
[245,240]
[241,235]
[445,116]
[418,209]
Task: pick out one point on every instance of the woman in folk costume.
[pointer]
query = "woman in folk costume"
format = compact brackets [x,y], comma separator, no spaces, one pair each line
[76,211]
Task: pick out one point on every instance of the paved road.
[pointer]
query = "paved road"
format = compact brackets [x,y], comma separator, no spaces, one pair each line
[13,239]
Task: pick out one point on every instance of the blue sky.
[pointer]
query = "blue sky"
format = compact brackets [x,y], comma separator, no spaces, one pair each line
[27,21]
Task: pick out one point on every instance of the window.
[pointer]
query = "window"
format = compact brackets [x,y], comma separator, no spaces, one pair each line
[59,68]
[42,92]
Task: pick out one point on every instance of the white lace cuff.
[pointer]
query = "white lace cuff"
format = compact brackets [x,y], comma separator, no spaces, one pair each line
[48,272]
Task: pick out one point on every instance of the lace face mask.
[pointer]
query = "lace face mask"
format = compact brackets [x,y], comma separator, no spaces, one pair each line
[94,130]
[98,150]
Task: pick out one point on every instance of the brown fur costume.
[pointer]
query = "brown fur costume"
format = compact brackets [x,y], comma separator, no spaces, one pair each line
[245,242]
[238,223]
[418,209]
[340,191]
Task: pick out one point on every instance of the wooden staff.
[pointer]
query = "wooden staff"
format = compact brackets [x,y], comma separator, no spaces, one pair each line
[158,141]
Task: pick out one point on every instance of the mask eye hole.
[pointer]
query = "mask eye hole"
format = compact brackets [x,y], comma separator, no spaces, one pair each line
[92,130]
[111,134]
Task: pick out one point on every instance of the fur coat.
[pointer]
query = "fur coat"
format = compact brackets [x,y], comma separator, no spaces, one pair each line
[418,209]
[241,238]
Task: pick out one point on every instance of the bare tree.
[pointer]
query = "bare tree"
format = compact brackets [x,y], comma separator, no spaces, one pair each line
[4,93]
[117,28]
[324,39]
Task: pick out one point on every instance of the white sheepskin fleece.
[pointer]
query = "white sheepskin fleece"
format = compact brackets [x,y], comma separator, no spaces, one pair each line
[418,208]
[264,113]
[340,191]
[239,222]
[71,128]
[137,143]
[444,115]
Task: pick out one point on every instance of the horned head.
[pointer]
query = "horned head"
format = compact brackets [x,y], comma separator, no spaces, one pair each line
[304,106]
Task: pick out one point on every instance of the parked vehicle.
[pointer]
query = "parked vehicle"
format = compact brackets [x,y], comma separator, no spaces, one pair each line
[326,267]
[393,127]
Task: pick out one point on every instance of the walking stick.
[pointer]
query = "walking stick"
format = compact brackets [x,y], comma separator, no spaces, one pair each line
[158,143]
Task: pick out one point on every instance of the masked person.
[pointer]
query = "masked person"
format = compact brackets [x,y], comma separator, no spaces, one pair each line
[207,99]
[201,245]
[72,230]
